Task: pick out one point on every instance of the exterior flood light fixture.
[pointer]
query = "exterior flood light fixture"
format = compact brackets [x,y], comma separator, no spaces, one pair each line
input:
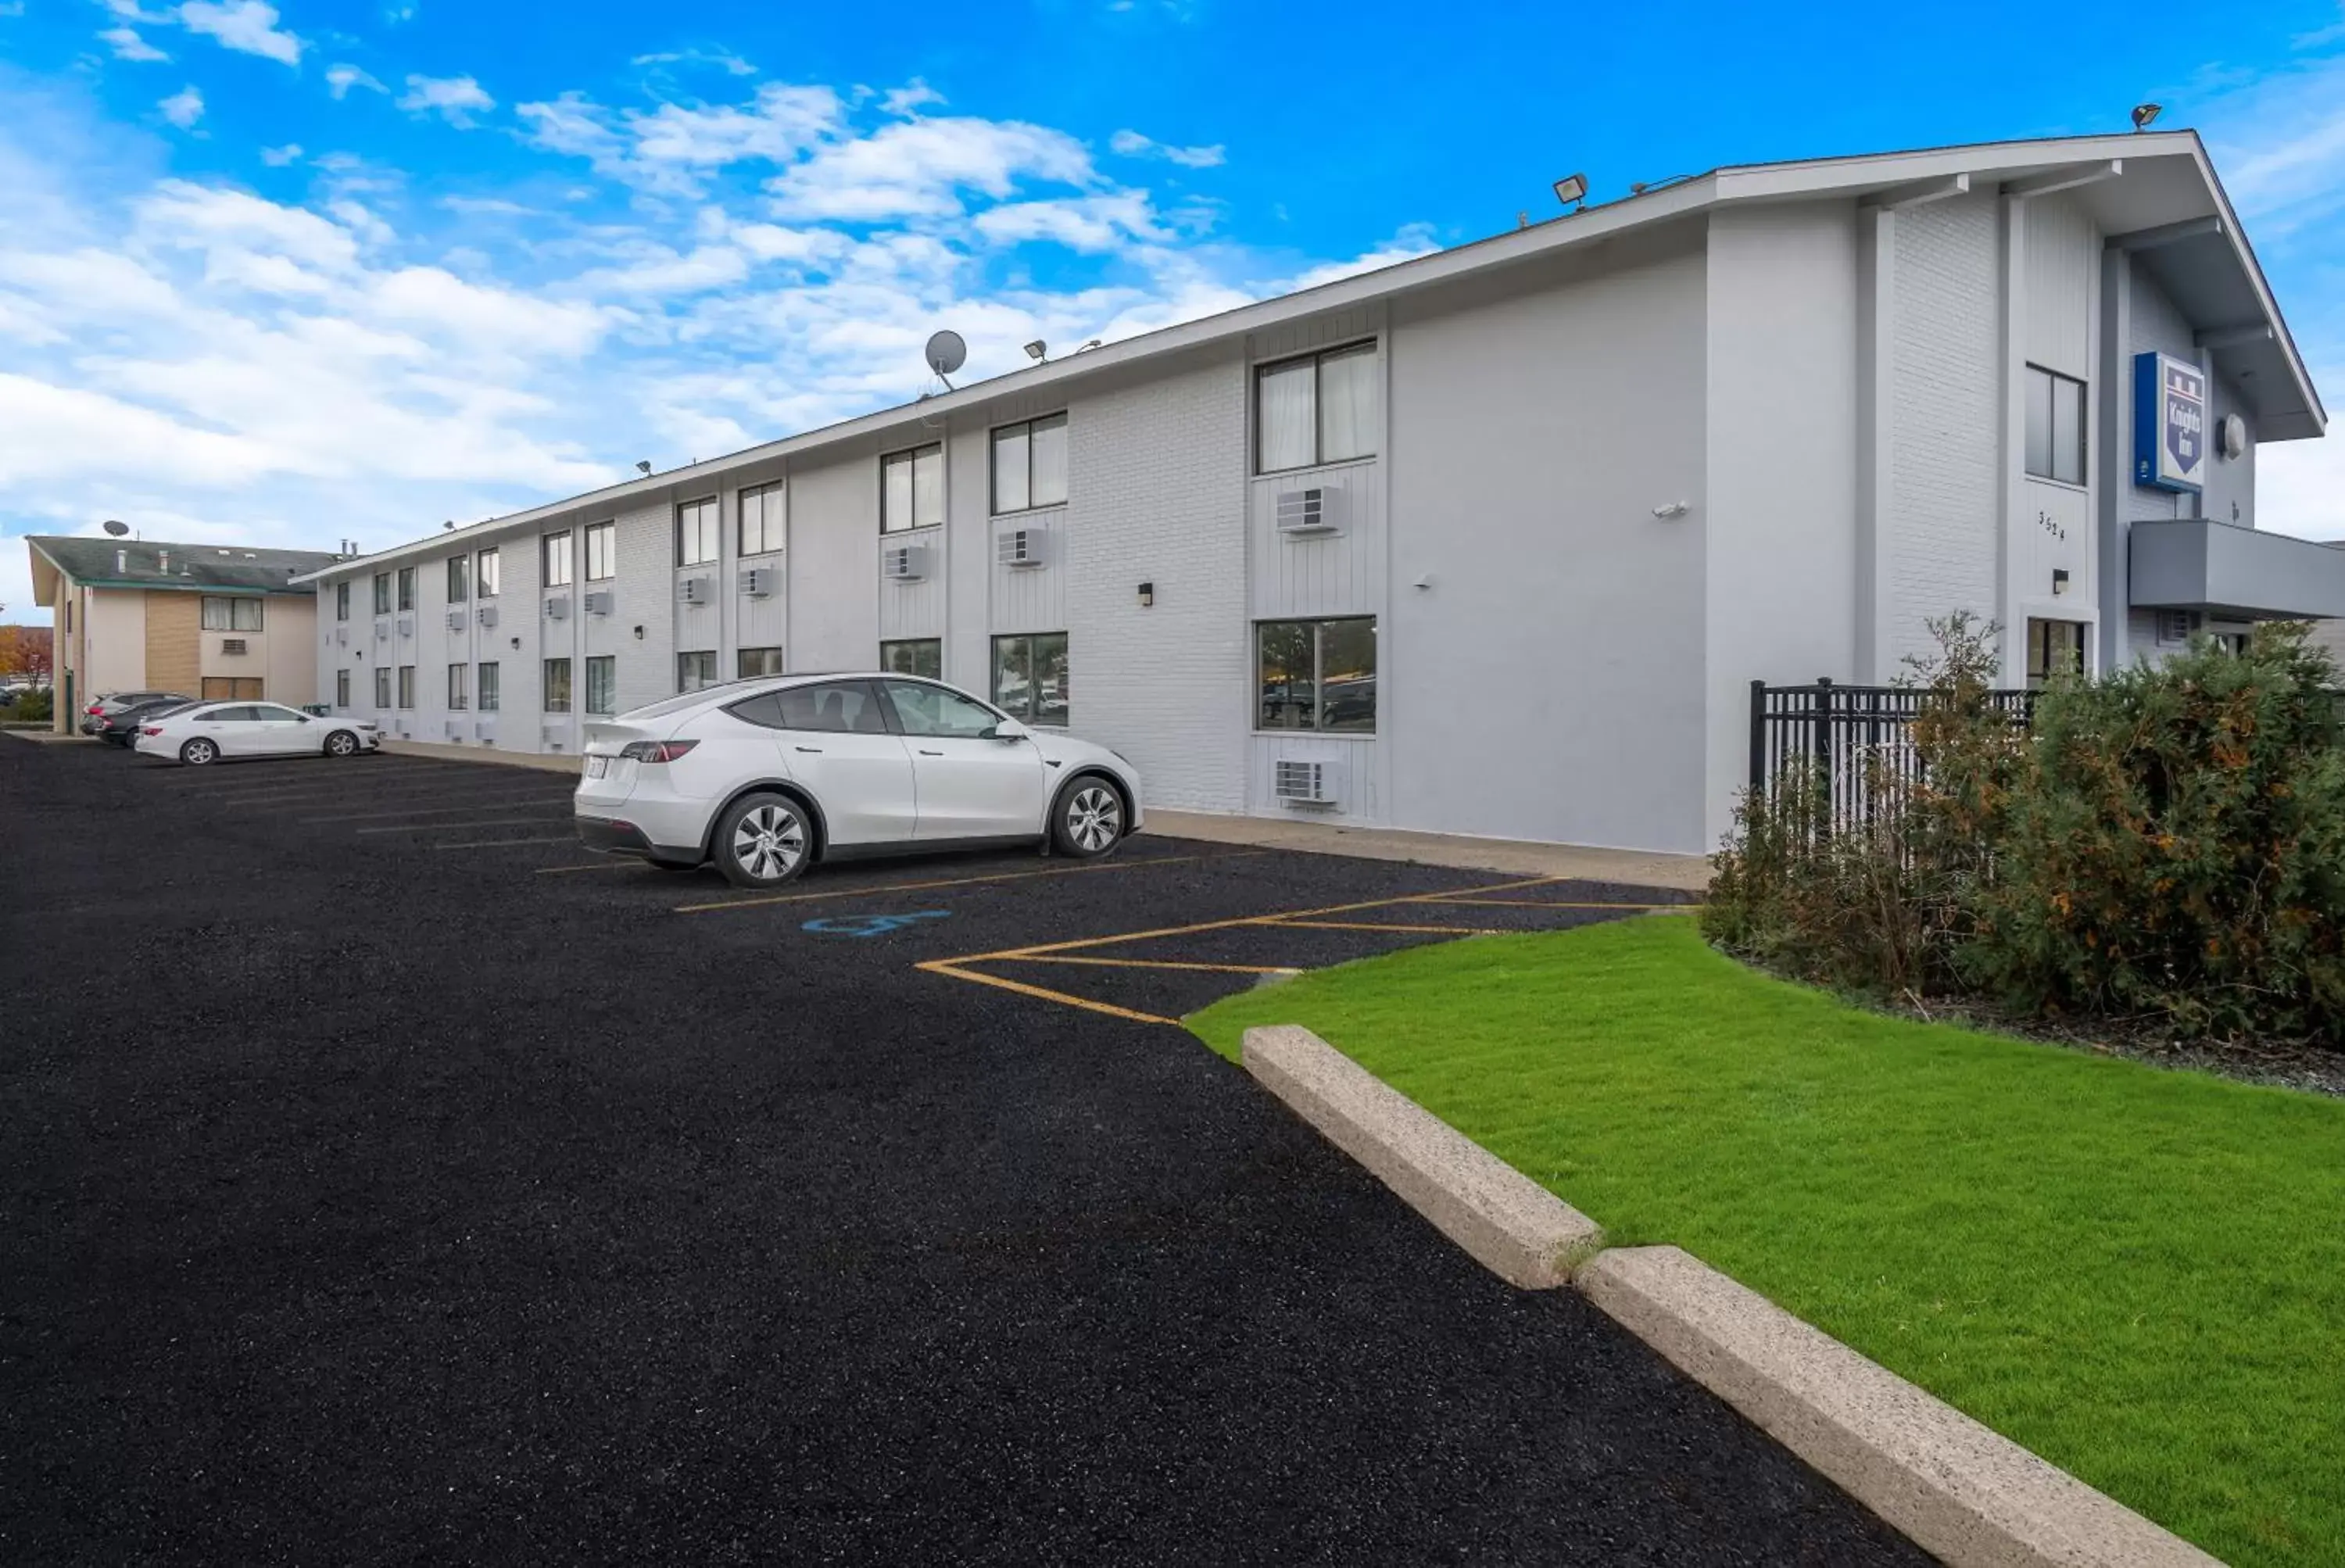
[1036,349]
[644,466]
[1572,189]
[2146,114]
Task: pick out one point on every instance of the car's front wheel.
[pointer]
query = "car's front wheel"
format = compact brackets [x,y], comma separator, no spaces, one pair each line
[198,752]
[1089,820]
[763,841]
[341,743]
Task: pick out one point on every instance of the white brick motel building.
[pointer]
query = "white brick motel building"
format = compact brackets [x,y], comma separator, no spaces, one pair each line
[1491,542]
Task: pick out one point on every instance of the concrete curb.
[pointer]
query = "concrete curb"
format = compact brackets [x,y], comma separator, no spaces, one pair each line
[1509,1223]
[1972,1497]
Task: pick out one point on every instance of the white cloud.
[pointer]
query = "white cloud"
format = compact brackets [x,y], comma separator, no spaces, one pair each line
[723,60]
[247,26]
[662,270]
[917,169]
[453,99]
[184,107]
[279,157]
[1132,144]
[673,147]
[340,79]
[909,98]
[129,45]
[1089,223]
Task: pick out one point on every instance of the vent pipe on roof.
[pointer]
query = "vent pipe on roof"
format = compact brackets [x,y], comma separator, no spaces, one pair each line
[122,562]
[163,562]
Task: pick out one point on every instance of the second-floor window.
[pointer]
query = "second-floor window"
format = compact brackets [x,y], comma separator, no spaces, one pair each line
[484,578]
[227,614]
[341,601]
[1318,409]
[407,587]
[912,489]
[761,519]
[695,532]
[601,552]
[1030,464]
[382,592]
[459,579]
[2055,426]
[557,559]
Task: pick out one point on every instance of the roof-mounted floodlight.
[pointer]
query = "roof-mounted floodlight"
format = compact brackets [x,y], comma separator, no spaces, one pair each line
[1572,189]
[2144,115]
[1037,348]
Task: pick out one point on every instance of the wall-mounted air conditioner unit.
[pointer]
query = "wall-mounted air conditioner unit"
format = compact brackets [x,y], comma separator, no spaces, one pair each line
[382,631]
[1020,546]
[486,728]
[406,626]
[759,582]
[455,730]
[232,645]
[600,603]
[455,621]
[342,635]
[1299,783]
[1302,513]
[692,590]
[557,608]
[904,563]
[486,614]
[2175,626]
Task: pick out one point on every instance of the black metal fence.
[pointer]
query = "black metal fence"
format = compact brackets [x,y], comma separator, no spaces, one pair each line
[1851,736]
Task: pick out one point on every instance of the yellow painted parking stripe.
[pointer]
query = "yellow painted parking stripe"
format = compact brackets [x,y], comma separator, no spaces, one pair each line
[1364,925]
[1022,989]
[768,900]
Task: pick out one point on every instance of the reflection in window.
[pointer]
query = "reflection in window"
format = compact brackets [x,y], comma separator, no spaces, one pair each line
[932,710]
[696,671]
[557,685]
[912,489]
[1030,676]
[602,685]
[756,662]
[2053,648]
[1030,464]
[2055,426]
[914,655]
[1316,675]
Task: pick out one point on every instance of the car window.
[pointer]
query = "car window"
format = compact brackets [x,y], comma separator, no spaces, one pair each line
[925,710]
[276,715]
[225,716]
[839,708]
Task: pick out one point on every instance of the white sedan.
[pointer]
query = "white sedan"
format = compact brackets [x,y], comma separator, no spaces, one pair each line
[765,776]
[205,732]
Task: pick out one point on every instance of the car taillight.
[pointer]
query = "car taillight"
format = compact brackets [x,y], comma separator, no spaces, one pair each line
[150,729]
[655,750]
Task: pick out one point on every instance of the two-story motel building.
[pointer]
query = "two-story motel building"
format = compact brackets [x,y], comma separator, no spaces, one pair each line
[1490,541]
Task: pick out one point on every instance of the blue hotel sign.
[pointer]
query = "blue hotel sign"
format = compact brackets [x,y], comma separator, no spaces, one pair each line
[2169,422]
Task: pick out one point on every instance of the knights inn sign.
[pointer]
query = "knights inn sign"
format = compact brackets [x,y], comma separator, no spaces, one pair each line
[2169,422]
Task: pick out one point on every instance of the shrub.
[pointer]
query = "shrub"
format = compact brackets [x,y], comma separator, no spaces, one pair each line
[30,707]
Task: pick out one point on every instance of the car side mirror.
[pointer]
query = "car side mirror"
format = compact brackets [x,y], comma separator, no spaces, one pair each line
[1008,729]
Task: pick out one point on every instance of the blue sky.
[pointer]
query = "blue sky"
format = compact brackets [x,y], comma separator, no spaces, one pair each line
[289,274]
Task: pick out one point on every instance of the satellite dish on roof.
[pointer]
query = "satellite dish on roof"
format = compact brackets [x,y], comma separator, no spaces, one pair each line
[946,352]
[116,527]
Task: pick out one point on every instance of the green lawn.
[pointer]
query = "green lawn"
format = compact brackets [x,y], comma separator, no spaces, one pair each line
[2139,1274]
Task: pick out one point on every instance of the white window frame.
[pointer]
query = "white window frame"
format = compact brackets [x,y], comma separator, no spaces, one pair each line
[1318,626]
[912,456]
[1026,428]
[2082,435]
[546,685]
[773,518]
[554,554]
[1317,360]
[488,684]
[460,687]
[708,666]
[610,670]
[699,529]
[602,540]
[485,573]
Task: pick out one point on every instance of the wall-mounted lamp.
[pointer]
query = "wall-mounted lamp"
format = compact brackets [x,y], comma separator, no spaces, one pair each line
[1425,581]
[639,634]
[2059,581]
[516,642]
[1670,510]
[1147,594]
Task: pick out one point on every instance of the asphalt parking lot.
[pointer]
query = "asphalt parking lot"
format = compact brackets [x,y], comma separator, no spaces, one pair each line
[383,1179]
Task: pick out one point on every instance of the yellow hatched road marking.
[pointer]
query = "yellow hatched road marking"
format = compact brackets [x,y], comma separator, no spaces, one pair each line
[1364,925]
[1541,903]
[764,902]
[1157,963]
[939,967]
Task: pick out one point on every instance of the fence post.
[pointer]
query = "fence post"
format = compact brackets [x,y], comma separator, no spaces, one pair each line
[1824,750]
[1758,738]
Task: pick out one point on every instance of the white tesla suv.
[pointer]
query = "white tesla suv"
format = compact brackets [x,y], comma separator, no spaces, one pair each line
[765,776]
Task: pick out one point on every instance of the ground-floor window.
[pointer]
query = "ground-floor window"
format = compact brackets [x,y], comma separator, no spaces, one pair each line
[407,686]
[460,687]
[1316,675]
[1030,676]
[557,685]
[227,688]
[756,662]
[602,683]
[695,671]
[383,686]
[341,688]
[915,655]
[2053,647]
[485,687]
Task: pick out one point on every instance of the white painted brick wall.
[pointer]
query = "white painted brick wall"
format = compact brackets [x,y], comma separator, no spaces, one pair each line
[645,546]
[1944,502]
[1157,493]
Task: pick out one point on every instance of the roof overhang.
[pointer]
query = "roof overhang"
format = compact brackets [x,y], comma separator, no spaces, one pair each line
[46,574]
[2129,183]
[2247,574]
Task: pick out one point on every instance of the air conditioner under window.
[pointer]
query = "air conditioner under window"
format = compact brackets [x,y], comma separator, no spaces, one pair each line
[557,608]
[455,621]
[232,645]
[1020,546]
[382,631]
[904,563]
[2175,626]
[1302,513]
[600,604]
[406,626]
[486,614]
[759,582]
[692,590]
[1302,783]
[342,635]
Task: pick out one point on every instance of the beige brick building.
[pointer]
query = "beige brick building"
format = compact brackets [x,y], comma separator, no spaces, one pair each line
[210,620]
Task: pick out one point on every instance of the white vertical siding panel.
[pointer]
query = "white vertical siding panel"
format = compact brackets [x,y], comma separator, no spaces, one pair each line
[2063,250]
[914,609]
[1319,574]
[1030,598]
[644,596]
[834,563]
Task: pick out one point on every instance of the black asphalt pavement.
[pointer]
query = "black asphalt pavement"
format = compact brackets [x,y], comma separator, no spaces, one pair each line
[384,1180]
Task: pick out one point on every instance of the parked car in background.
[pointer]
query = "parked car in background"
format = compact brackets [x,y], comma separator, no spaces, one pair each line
[106,704]
[206,732]
[765,776]
[120,728]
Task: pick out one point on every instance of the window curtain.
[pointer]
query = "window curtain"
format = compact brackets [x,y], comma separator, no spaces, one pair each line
[1347,405]
[1283,417]
[928,486]
[1012,493]
[1049,484]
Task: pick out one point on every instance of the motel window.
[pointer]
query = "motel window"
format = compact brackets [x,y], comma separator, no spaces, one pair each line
[383,686]
[914,655]
[459,579]
[1314,409]
[227,614]
[460,687]
[341,688]
[1030,464]
[1316,675]
[557,559]
[761,519]
[695,671]
[382,592]
[557,685]
[757,662]
[2055,426]
[407,686]
[341,601]
[1030,676]
[602,684]
[695,532]
[2053,648]
[222,687]
[912,489]
[601,552]
[484,688]
[484,576]
[407,587]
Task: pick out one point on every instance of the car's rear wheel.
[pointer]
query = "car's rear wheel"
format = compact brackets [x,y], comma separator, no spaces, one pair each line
[198,752]
[341,743]
[763,841]
[1089,820]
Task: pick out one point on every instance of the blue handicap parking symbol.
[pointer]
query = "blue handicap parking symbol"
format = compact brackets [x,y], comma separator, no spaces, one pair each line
[871,924]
